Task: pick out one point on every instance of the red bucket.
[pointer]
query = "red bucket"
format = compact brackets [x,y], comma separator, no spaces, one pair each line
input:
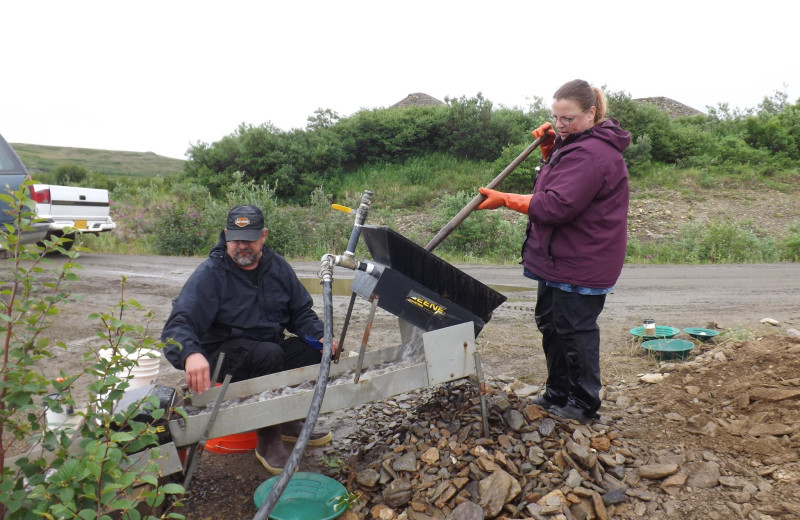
[236,443]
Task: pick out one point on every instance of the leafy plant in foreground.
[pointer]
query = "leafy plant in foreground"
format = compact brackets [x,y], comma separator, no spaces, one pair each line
[82,468]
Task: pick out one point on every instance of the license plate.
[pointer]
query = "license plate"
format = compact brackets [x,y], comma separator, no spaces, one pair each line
[80,224]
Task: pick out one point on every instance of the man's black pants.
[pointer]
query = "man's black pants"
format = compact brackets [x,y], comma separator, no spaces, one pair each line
[246,358]
[571,342]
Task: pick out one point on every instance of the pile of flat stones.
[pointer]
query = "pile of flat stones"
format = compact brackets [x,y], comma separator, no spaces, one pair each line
[426,455]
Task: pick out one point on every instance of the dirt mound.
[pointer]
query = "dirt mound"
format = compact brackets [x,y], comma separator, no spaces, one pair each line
[417,99]
[733,411]
[670,106]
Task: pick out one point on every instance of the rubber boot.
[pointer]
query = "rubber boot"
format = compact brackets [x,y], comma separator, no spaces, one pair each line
[270,450]
[290,432]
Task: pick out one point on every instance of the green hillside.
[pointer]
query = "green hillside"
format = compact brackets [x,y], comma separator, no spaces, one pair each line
[108,162]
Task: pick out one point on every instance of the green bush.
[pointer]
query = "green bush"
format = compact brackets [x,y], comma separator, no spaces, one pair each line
[792,243]
[521,179]
[87,470]
[492,235]
[70,174]
[713,242]
[638,154]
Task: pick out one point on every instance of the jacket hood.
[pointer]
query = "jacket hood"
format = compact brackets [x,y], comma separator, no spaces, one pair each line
[610,132]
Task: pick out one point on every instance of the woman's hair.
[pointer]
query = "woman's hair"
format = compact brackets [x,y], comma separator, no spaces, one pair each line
[586,96]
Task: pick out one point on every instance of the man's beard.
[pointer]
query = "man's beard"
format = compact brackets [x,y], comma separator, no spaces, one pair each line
[244,258]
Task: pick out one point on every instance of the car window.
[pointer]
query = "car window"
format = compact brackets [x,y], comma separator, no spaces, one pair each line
[9,163]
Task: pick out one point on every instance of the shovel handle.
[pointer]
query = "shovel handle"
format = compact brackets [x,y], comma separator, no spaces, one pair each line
[474,203]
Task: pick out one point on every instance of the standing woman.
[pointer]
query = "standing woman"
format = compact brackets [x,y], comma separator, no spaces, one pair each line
[575,241]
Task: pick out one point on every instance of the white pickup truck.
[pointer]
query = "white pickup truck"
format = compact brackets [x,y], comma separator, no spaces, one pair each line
[70,208]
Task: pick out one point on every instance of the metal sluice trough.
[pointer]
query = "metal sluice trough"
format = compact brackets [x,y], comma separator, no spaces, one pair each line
[447,307]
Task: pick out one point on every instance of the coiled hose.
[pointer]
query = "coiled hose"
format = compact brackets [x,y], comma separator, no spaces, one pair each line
[316,401]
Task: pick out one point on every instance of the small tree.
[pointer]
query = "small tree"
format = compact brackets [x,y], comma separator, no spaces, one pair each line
[70,174]
[64,473]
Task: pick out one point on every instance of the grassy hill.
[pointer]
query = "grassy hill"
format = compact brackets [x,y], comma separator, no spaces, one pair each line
[109,162]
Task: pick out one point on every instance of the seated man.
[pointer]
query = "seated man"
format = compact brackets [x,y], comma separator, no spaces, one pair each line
[240,301]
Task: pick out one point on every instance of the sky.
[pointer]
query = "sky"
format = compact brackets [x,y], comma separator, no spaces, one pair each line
[162,76]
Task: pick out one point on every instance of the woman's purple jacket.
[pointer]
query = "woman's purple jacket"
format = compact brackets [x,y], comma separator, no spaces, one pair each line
[579,211]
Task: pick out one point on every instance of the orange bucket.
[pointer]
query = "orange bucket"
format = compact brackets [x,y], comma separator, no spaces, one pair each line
[236,443]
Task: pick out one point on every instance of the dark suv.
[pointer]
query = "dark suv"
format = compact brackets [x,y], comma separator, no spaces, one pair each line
[12,174]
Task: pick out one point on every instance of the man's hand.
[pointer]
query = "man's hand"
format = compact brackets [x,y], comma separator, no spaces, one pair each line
[334,347]
[198,375]
[546,146]
[498,199]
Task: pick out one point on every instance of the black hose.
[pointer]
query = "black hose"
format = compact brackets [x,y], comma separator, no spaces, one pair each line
[313,412]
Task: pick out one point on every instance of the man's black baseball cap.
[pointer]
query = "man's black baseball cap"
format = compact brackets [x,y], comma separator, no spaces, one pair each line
[244,223]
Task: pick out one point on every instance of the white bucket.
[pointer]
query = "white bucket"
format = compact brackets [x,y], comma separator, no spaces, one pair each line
[55,420]
[143,377]
[146,372]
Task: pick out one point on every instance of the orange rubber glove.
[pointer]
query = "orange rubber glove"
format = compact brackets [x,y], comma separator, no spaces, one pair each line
[498,199]
[546,146]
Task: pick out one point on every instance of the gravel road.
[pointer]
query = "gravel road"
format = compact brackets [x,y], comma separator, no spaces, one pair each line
[729,296]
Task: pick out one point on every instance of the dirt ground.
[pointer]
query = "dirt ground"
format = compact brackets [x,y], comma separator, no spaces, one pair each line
[730,298]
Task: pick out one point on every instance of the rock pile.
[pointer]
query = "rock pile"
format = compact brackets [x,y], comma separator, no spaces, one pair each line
[433,461]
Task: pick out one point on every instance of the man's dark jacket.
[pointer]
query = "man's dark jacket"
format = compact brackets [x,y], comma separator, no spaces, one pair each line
[219,302]
[579,210]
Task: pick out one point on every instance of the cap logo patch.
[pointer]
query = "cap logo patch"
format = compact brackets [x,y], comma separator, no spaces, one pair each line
[242,221]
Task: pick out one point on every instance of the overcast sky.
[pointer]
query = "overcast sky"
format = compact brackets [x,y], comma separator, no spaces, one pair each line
[159,76]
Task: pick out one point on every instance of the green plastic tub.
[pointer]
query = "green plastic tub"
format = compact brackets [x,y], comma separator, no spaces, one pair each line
[662,332]
[308,496]
[701,334]
[669,348]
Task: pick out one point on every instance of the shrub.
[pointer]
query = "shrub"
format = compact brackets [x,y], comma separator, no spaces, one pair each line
[70,174]
[485,234]
[638,154]
[521,179]
[60,476]
[713,242]
[791,243]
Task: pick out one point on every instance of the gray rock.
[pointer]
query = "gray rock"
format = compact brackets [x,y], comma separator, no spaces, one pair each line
[657,471]
[579,453]
[368,478]
[702,474]
[547,427]
[531,437]
[574,479]
[536,455]
[535,510]
[497,490]
[468,511]
[500,403]
[405,462]
[733,482]
[397,493]
[615,496]
[582,510]
[514,419]
[418,431]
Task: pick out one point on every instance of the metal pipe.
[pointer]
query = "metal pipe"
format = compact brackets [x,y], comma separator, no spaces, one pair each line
[364,340]
[326,273]
[198,449]
[344,327]
[482,391]
[361,217]
[474,203]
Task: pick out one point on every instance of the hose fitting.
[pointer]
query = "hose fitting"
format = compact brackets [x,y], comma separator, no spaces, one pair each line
[325,272]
